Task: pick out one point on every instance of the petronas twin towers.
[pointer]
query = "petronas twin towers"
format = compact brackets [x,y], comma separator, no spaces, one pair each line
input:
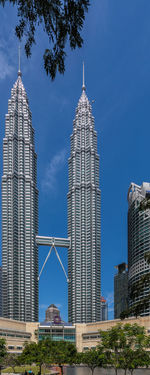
[84,218]
[20,214]
[19,211]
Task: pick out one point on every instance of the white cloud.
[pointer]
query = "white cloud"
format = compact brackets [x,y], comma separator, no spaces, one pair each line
[43,306]
[8,52]
[110,301]
[6,69]
[54,166]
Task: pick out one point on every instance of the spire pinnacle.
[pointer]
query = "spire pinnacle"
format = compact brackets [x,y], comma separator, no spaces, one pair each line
[83,84]
[19,71]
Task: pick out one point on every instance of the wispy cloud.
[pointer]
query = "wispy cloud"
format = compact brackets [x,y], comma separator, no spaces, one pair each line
[6,69]
[110,301]
[43,306]
[54,166]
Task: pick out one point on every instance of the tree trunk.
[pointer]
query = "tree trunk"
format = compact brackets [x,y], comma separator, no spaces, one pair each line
[61,367]
[40,369]
[92,369]
[116,371]
[0,369]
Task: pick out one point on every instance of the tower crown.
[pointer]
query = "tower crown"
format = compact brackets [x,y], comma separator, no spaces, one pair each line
[83,84]
[84,103]
[19,59]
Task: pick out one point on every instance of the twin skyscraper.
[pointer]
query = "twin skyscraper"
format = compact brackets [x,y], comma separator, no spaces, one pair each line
[20,214]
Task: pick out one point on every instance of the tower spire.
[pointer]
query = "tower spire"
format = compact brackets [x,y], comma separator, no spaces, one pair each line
[83,84]
[19,71]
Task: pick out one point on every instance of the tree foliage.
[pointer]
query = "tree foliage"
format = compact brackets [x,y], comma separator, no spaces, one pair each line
[37,353]
[126,347]
[93,358]
[48,352]
[12,360]
[61,20]
[3,352]
[63,352]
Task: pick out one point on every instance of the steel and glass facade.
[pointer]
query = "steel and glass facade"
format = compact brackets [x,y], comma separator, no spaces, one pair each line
[138,238]
[84,201]
[19,211]
[57,332]
[120,290]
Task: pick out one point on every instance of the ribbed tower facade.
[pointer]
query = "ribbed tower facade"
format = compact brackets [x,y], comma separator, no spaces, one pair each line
[84,200]
[138,240]
[19,211]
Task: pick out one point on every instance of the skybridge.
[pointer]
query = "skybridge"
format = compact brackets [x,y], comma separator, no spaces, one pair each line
[53,242]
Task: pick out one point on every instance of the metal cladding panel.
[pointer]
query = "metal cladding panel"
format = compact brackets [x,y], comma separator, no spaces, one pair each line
[49,241]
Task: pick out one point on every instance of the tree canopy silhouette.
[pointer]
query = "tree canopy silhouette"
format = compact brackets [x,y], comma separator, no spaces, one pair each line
[61,20]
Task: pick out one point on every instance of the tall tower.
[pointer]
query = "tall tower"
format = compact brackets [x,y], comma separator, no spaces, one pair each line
[84,199]
[120,290]
[19,211]
[138,240]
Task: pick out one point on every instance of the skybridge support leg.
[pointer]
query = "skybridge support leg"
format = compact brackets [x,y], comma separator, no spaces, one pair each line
[45,262]
[51,241]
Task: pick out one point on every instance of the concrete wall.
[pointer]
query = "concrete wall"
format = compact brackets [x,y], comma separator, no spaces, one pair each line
[16,333]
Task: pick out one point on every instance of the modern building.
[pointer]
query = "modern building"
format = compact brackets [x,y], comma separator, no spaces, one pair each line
[104,308]
[55,328]
[57,331]
[84,201]
[138,238]
[52,313]
[19,211]
[0,291]
[88,335]
[120,290]
[16,333]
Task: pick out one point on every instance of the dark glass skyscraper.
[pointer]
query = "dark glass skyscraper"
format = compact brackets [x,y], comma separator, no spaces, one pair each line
[120,290]
[19,211]
[138,240]
[84,201]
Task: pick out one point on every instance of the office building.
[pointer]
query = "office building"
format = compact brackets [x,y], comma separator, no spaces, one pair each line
[55,328]
[120,290]
[88,335]
[138,239]
[57,331]
[19,211]
[104,308]
[17,333]
[84,200]
[52,313]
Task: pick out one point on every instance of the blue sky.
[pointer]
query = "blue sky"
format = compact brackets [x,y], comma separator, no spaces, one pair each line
[116,52]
